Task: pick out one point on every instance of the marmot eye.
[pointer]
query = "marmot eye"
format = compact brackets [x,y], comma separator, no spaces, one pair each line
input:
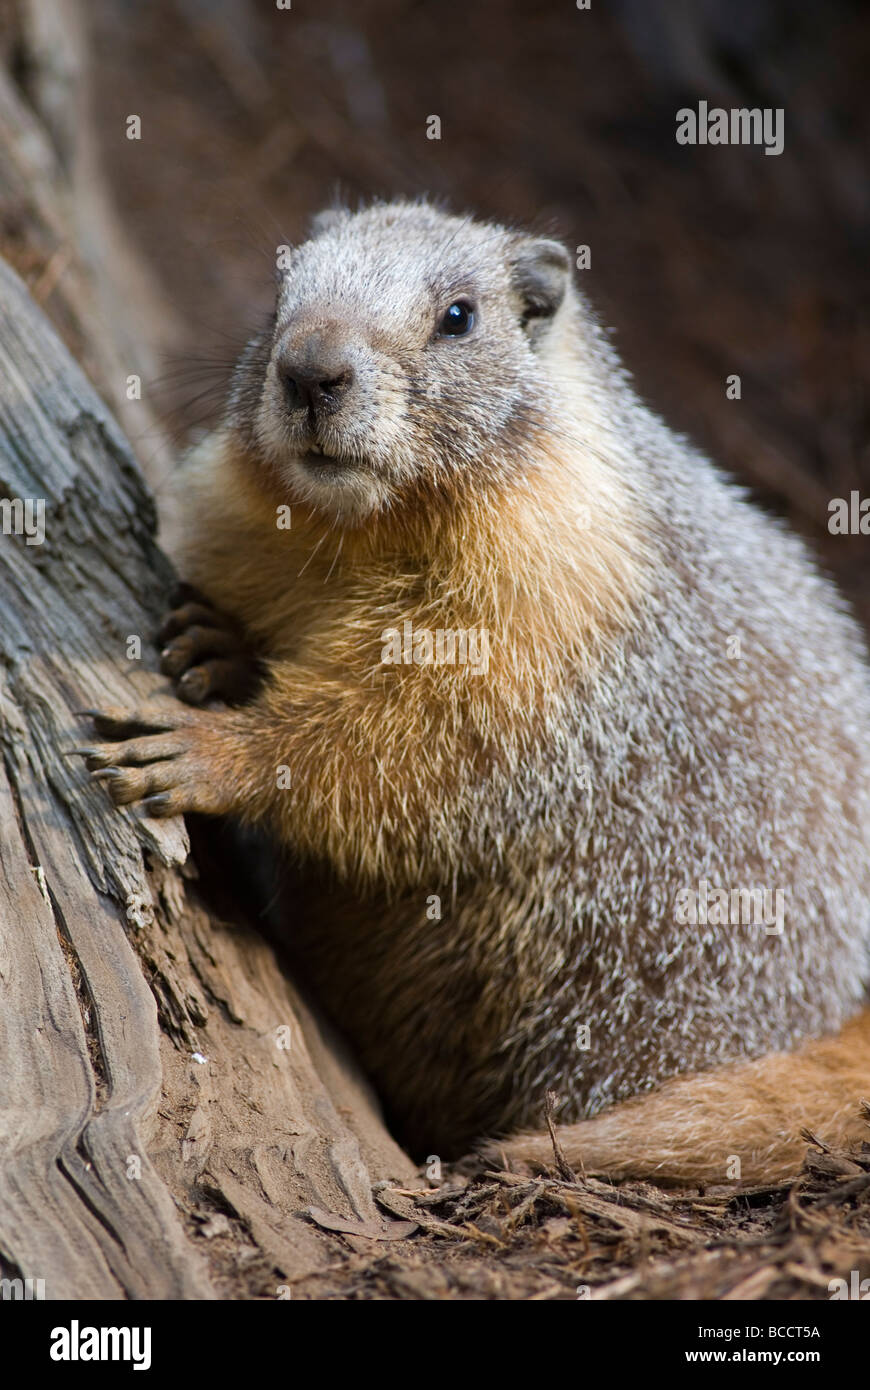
[459,319]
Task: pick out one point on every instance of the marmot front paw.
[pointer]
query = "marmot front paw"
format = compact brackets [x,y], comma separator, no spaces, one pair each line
[204,652]
[173,760]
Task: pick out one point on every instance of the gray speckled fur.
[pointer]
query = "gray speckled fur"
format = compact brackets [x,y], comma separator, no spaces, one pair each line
[752,772]
[749,773]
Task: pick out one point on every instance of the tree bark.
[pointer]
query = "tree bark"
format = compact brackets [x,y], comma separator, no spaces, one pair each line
[171,1109]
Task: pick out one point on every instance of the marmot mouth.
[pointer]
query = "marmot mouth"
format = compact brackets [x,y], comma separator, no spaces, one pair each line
[323,465]
[315,459]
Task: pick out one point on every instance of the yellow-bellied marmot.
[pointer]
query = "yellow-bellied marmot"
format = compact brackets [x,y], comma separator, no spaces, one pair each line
[572,742]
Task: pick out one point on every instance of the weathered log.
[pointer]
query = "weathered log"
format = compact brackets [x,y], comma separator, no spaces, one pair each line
[169,1106]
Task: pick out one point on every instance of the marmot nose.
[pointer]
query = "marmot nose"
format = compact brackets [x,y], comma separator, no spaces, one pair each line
[317,386]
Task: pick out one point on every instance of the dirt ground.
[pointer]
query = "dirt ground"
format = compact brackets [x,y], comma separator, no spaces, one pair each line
[502,1236]
[705,262]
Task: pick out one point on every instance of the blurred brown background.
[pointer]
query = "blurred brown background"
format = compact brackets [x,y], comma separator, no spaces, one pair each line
[705,261]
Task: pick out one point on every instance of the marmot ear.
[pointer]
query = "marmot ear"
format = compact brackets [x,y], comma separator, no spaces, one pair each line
[540,271]
[326,220]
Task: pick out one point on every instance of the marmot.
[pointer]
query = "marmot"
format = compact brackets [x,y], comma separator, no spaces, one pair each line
[548,710]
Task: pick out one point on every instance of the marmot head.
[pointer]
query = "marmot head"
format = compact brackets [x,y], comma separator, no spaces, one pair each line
[407,349]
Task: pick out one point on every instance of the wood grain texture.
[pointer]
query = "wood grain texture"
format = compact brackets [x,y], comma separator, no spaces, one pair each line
[162,1131]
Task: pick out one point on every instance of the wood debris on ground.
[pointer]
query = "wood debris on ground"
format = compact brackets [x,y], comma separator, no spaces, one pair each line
[502,1235]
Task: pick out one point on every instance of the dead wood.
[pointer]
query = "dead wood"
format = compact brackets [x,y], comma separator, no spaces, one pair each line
[157,1067]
